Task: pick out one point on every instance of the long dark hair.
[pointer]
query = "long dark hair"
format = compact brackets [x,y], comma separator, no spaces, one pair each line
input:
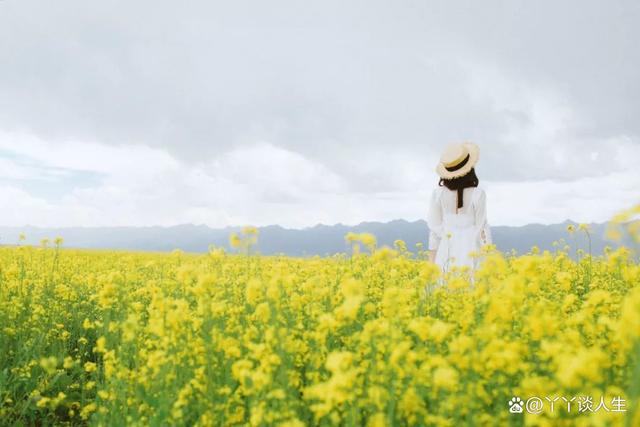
[460,183]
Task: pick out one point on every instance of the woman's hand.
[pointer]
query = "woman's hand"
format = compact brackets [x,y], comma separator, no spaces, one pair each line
[432,255]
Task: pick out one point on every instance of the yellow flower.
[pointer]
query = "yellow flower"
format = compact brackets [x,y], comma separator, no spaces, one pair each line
[420,327]
[584,364]
[68,362]
[338,361]
[439,331]
[445,377]
[367,239]
[294,422]
[249,230]
[86,412]
[253,291]
[100,345]
[43,402]
[378,419]
[235,241]
[49,364]
[263,312]
[241,370]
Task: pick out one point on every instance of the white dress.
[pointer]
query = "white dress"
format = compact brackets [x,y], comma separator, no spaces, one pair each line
[454,235]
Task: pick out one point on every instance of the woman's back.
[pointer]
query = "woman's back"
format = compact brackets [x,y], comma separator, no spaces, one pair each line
[449,201]
[455,231]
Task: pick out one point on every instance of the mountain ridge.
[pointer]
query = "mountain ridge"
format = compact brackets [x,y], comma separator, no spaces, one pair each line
[319,239]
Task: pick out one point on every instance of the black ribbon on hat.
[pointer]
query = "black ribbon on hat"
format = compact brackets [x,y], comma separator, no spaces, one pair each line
[459,165]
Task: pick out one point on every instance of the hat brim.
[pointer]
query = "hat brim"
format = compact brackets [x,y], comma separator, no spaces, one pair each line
[474,153]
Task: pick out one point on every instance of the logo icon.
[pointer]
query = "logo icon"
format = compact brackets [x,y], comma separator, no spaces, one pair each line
[515,405]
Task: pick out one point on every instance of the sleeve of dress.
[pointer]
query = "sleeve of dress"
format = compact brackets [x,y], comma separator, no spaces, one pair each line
[434,221]
[481,224]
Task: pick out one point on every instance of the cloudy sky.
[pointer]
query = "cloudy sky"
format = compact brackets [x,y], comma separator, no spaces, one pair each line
[303,112]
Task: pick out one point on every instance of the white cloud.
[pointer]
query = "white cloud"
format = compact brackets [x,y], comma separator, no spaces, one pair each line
[592,199]
[262,184]
[228,113]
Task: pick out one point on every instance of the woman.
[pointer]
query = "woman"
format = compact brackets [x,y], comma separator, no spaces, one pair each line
[457,214]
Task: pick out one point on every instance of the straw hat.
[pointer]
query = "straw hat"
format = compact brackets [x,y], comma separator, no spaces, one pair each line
[457,160]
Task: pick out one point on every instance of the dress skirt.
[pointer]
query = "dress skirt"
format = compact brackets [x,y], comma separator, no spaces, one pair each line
[460,237]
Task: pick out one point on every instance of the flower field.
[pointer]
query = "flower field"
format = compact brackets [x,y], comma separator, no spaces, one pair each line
[124,338]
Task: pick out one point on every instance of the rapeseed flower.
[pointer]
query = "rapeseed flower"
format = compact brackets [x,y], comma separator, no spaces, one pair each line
[181,338]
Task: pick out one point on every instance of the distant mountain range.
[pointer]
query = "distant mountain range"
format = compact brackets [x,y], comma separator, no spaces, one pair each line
[274,239]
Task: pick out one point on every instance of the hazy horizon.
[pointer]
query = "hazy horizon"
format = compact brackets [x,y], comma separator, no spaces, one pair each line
[239,226]
[315,240]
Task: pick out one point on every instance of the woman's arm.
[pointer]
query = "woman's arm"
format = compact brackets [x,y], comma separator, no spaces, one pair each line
[481,224]
[434,221]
